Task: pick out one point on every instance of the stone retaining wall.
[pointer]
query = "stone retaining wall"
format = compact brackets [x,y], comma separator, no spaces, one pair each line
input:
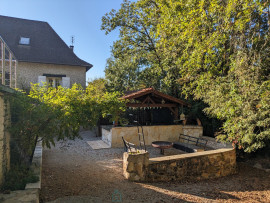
[4,136]
[194,166]
[32,190]
[136,166]
[113,135]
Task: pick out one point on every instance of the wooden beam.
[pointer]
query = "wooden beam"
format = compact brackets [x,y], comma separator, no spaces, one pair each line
[3,62]
[150,105]
[146,99]
[153,102]
[16,65]
[176,115]
[172,110]
[10,70]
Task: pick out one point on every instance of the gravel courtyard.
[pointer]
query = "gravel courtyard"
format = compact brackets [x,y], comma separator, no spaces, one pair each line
[73,172]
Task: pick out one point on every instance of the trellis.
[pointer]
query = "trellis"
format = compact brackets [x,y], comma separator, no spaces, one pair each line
[9,65]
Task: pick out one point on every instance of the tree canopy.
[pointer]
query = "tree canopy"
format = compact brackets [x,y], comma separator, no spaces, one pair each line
[51,114]
[136,61]
[214,51]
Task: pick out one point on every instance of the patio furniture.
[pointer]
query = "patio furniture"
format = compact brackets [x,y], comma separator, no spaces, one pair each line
[162,145]
[128,146]
[190,144]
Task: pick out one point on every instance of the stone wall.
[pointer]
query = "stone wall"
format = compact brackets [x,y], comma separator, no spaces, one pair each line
[135,166]
[194,166]
[32,190]
[212,143]
[29,72]
[4,137]
[192,130]
[106,132]
[36,167]
[152,133]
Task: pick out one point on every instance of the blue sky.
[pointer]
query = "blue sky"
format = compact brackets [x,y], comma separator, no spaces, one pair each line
[81,18]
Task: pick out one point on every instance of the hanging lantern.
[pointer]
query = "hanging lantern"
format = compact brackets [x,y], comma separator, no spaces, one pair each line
[182,116]
[163,101]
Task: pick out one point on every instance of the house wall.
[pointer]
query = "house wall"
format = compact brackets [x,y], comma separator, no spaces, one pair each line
[29,72]
[151,133]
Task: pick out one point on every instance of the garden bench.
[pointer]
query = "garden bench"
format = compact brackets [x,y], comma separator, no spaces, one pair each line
[190,144]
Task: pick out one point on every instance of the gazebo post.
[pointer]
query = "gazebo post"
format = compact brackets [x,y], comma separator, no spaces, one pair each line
[176,113]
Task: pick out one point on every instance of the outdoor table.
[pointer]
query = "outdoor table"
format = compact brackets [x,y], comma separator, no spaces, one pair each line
[162,145]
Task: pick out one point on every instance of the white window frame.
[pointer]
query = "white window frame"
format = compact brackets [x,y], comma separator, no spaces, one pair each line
[54,81]
[24,41]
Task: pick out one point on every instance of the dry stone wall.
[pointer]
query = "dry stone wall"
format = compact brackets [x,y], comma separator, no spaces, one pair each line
[194,166]
[4,137]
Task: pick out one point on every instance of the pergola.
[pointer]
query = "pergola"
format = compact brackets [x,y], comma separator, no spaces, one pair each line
[150,98]
[8,65]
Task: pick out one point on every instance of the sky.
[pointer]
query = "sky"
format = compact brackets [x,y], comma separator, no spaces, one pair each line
[78,18]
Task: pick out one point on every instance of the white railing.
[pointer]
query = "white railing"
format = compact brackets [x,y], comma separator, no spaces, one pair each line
[8,64]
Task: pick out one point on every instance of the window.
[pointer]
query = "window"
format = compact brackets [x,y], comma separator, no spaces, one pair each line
[24,41]
[57,82]
[50,83]
[53,82]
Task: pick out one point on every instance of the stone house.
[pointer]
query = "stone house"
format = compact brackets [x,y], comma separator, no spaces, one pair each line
[42,56]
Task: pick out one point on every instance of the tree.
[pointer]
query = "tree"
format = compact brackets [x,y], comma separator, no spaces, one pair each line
[136,60]
[50,114]
[222,49]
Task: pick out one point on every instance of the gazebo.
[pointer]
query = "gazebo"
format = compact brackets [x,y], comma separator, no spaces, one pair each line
[154,107]
[158,113]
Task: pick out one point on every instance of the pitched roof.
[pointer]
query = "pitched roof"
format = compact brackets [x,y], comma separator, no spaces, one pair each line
[45,44]
[146,91]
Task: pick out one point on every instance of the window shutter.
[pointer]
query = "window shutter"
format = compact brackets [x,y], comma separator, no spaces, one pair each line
[66,82]
[41,80]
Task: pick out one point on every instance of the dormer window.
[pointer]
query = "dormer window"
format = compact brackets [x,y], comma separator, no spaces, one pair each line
[24,41]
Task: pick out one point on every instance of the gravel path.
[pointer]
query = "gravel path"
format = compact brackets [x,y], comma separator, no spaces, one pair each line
[73,172]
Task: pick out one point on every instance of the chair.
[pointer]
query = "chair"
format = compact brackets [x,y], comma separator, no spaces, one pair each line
[128,146]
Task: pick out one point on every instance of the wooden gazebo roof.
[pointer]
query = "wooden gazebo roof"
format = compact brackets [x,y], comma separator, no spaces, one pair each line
[149,97]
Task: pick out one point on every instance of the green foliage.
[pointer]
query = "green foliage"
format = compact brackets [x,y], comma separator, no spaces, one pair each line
[136,61]
[18,177]
[212,51]
[222,49]
[30,119]
[76,107]
[50,114]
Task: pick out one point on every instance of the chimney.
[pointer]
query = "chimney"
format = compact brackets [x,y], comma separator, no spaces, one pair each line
[71,47]
[72,43]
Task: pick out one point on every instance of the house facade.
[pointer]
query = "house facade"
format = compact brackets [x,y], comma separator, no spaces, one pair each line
[42,56]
